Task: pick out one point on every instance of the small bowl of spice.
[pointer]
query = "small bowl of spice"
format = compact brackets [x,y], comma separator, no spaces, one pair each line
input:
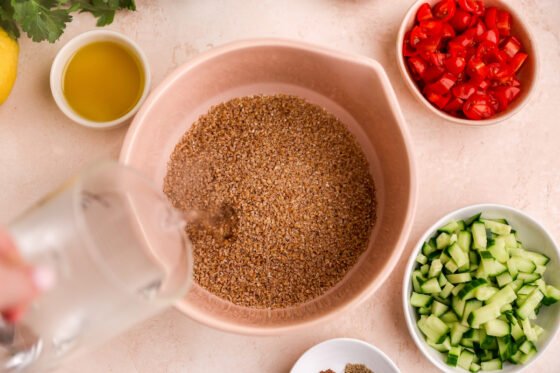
[300,155]
[100,79]
[471,62]
[344,355]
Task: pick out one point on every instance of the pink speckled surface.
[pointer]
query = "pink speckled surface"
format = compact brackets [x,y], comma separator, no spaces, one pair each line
[515,163]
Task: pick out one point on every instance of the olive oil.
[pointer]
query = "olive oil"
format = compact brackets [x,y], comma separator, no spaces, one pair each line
[103,81]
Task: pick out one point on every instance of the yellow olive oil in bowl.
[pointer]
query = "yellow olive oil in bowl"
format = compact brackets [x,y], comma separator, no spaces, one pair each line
[103,81]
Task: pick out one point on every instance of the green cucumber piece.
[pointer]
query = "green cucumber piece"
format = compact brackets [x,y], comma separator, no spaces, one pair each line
[420,300]
[497,328]
[431,286]
[479,236]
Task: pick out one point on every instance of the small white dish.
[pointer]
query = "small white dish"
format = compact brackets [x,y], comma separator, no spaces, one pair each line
[528,75]
[533,236]
[334,354]
[65,54]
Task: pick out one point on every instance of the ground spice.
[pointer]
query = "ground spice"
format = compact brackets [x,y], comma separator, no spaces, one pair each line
[299,187]
[357,368]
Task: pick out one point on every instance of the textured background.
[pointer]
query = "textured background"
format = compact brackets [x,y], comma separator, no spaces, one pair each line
[514,163]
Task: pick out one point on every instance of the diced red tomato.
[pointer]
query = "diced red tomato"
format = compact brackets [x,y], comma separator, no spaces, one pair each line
[505,95]
[407,49]
[433,73]
[479,106]
[464,58]
[490,35]
[438,100]
[518,60]
[417,66]
[503,22]
[472,6]
[490,17]
[479,28]
[454,106]
[455,64]
[443,85]
[445,10]
[447,31]
[511,46]
[477,69]
[424,13]
[461,20]
[464,90]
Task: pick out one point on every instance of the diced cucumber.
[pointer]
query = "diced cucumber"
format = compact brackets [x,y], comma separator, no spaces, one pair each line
[552,295]
[485,292]
[503,279]
[530,304]
[446,290]
[453,356]
[441,347]
[470,288]
[457,331]
[438,308]
[459,256]
[510,240]
[476,306]
[450,317]
[497,328]
[457,289]
[483,315]
[457,278]
[522,264]
[464,240]
[527,278]
[430,287]
[526,347]
[528,330]
[474,368]
[498,250]
[428,248]
[442,241]
[494,364]
[442,280]
[420,300]
[470,306]
[505,347]
[479,236]
[433,328]
[465,359]
[472,219]
[496,227]
[422,259]
[491,266]
[458,305]
[450,227]
[435,268]
[451,266]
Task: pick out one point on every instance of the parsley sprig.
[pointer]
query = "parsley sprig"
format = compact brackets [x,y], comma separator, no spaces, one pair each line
[47,19]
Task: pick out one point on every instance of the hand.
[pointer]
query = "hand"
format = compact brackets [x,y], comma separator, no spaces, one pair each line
[19,283]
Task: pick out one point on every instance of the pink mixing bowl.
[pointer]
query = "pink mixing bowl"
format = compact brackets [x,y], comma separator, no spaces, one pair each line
[356,90]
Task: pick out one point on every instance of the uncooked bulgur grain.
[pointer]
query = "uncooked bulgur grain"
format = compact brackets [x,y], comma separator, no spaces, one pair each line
[299,185]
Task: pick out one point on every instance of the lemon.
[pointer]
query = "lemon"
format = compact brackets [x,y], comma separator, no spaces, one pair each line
[9,51]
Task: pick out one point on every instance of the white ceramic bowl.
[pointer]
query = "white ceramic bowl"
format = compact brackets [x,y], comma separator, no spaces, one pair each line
[533,236]
[528,74]
[62,58]
[334,354]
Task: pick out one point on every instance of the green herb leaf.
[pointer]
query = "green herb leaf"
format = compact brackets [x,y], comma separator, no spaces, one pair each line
[40,19]
[7,21]
[104,10]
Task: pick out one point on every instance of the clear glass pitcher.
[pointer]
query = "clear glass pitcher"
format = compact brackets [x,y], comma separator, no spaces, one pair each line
[119,253]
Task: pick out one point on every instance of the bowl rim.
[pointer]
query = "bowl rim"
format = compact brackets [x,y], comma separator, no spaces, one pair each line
[394,108]
[501,117]
[65,54]
[406,283]
[370,346]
